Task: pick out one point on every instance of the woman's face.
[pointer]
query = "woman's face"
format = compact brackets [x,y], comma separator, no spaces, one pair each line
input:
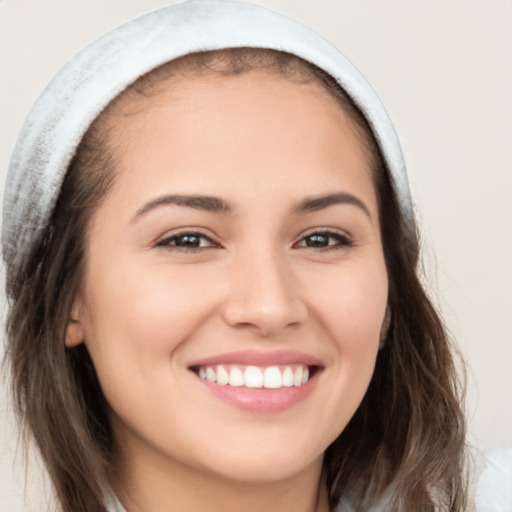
[238,250]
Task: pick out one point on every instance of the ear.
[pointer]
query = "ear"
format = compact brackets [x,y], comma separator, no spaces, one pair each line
[385,327]
[75,331]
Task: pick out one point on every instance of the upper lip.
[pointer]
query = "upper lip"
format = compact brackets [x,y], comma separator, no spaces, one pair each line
[258,358]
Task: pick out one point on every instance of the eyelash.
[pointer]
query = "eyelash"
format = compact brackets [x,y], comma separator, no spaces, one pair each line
[342,241]
[168,242]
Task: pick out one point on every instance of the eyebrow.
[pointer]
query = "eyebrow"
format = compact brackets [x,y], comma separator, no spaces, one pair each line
[198,202]
[218,205]
[316,203]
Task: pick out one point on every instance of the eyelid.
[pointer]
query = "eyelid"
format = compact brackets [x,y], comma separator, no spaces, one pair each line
[344,238]
[163,241]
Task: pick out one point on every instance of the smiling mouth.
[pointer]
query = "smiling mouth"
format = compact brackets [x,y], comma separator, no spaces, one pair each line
[257,377]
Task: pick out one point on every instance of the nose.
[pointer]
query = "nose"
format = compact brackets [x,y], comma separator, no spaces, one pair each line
[264,295]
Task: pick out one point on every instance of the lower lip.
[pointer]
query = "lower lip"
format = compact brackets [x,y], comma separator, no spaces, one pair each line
[261,399]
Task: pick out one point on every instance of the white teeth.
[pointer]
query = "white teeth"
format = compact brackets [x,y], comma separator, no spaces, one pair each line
[236,377]
[270,377]
[297,377]
[253,377]
[287,377]
[211,375]
[222,376]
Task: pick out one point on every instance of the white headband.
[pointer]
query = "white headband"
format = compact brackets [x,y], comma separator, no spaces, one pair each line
[80,91]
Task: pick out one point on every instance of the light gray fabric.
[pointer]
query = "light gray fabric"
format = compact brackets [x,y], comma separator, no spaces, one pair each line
[112,504]
[78,93]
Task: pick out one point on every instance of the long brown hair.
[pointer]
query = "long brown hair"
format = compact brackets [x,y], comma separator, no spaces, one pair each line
[404,448]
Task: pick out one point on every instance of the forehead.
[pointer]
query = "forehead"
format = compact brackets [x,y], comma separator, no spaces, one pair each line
[250,131]
[250,98]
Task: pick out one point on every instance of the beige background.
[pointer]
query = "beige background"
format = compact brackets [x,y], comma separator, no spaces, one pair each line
[444,70]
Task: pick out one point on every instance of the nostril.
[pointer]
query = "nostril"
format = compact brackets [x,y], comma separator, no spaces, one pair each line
[267,319]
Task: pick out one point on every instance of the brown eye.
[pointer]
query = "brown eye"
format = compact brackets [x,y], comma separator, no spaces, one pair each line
[318,240]
[325,240]
[187,241]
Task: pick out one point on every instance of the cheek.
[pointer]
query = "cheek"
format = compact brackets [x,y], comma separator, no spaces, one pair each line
[350,308]
[136,324]
[143,316]
[351,302]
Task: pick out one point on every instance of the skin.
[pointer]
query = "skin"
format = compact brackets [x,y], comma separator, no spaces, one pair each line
[147,309]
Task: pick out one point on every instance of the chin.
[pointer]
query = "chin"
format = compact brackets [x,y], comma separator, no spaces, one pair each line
[257,472]
[265,466]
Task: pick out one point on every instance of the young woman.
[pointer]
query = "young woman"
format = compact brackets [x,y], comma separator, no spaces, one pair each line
[211,270]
